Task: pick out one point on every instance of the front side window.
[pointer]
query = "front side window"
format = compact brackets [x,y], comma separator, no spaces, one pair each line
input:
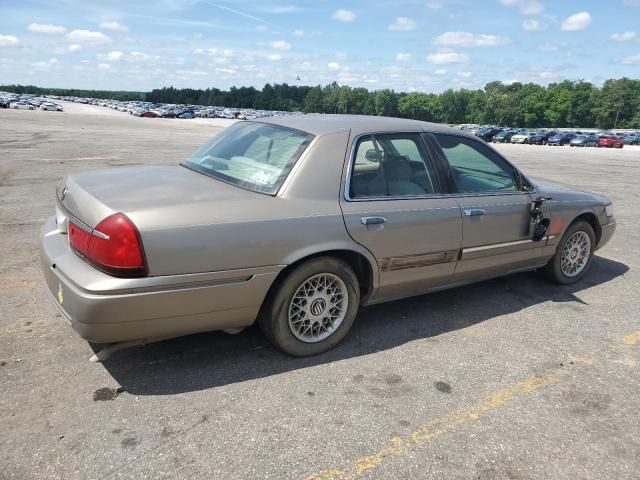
[475,167]
[392,165]
[251,155]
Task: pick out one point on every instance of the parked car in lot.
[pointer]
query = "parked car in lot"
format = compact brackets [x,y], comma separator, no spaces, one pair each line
[149,114]
[560,139]
[584,141]
[488,133]
[53,107]
[295,222]
[523,137]
[631,139]
[21,106]
[505,136]
[610,141]
[541,138]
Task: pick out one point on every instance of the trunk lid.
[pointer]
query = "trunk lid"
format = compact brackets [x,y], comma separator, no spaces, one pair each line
[152,196]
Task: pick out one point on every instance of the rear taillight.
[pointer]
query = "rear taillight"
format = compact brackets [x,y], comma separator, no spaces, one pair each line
[114,246]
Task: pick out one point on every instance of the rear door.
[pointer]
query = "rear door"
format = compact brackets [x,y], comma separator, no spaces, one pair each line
[393,205]
[495,205]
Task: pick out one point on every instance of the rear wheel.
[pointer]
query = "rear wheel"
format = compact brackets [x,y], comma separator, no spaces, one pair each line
[313,308]
[574,254]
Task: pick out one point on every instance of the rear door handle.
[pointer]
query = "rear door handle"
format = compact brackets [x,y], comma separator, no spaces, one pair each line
[474,212]
[373,220]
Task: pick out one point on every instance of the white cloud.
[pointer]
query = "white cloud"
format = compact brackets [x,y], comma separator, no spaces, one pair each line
[526,7]
[547,75]
[278,8]
[576,22]
[88,37]
[114,56]
[466,39]
[8,40]
[45,28]
[118,27]
[531,25]
[138,56]
[440,72]
[548,47]
[464,74]
[633,3]
[403,24]
[74,47]
[403,57]
[298,33]
[445,58]
[333,66]
[281,45]
[103,67]
[343,15]
[274,57]
[435,4]
[624,37]
[632,60]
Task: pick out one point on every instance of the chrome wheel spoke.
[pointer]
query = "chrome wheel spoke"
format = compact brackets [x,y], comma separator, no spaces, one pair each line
[575,254]
[318,307]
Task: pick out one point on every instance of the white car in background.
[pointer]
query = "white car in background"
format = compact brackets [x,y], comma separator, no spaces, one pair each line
[21,106]
[52,107]
[522,137]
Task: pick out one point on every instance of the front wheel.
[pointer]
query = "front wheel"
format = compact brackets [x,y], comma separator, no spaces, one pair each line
[313,308]
[574,254]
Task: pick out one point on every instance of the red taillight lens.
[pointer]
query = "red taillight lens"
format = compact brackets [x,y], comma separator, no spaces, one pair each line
[79,238]
[114,246]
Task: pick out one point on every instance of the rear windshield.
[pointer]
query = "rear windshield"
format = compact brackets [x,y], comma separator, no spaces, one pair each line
[251,155]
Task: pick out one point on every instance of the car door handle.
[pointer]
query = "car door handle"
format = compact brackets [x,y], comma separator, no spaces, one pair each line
[474,212]
[373,220]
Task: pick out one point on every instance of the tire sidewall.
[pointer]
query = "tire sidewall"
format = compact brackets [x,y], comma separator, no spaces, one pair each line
[275,322]
[556,270]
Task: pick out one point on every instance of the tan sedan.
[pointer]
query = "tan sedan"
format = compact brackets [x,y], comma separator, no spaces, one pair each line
[295,222]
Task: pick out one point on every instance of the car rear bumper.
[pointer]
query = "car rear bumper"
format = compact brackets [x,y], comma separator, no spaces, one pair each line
[106,309]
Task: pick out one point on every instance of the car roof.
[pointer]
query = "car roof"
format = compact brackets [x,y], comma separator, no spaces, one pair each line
[323,124]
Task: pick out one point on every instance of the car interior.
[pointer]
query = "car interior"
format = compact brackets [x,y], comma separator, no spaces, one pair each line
[390,166]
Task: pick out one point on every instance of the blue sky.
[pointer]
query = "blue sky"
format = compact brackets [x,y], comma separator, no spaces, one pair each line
[407,45]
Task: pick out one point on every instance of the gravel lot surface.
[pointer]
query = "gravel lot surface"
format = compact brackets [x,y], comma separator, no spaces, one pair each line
[512,378]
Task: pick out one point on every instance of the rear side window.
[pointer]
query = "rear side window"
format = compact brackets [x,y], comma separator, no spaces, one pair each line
[392,165]
[475,167]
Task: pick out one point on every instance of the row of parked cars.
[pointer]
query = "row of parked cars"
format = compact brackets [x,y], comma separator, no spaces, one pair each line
[170,110]
[553,137]
[27,102]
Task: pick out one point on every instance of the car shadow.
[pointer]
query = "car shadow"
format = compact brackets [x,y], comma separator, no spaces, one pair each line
[207,360]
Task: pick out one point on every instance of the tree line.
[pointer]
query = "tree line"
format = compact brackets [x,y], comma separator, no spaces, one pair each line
[566,104]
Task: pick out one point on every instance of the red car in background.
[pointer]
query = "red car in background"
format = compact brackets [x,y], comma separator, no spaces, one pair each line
[149,114]
[610,141]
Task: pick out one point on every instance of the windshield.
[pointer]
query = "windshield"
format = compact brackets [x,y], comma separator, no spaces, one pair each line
[251,155]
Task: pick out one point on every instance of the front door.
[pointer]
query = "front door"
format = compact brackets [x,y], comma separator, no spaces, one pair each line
[495,209]
[395,209]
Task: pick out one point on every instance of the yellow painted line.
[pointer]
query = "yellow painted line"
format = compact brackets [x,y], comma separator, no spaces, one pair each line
[432,429]
[632,339]
[439,426]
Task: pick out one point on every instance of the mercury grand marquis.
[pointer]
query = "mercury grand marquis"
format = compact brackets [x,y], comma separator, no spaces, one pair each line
[295,222]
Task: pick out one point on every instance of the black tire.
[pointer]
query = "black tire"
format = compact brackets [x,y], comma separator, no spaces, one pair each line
[273,318]
[553,270]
